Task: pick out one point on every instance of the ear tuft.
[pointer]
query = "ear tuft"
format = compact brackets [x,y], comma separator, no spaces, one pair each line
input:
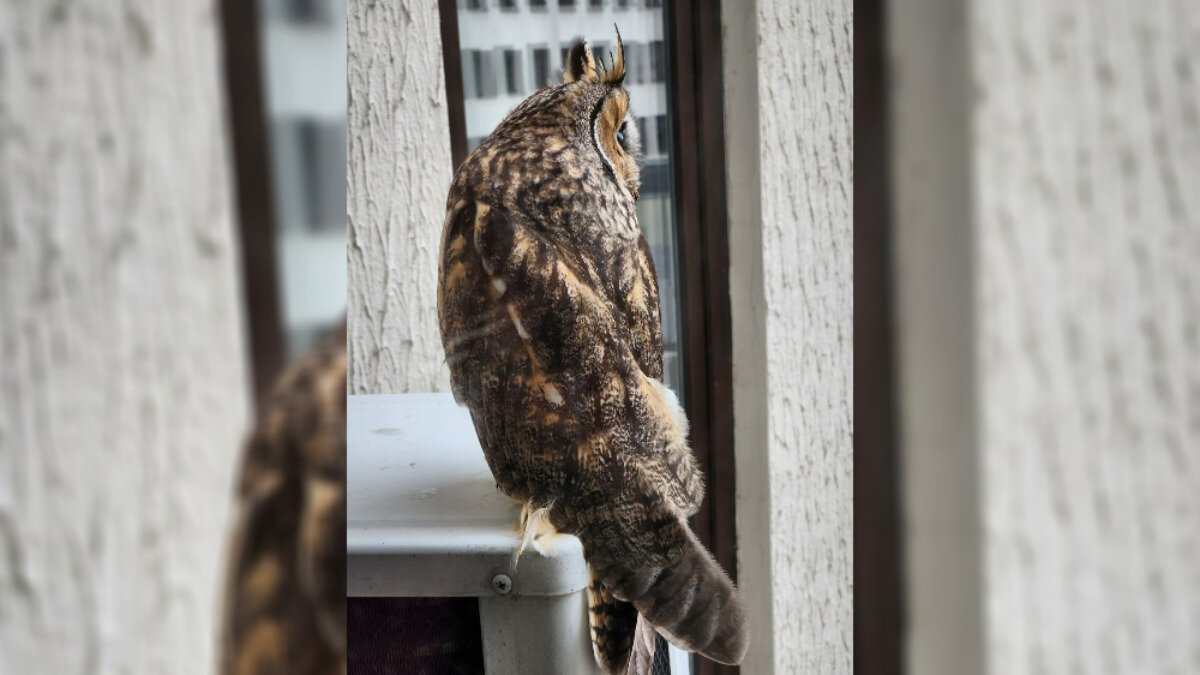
[615,73]
[580,65]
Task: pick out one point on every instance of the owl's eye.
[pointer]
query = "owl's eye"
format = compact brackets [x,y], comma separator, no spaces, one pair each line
[621,133]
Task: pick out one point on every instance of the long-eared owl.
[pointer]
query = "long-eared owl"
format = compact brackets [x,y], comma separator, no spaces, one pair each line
[549,312]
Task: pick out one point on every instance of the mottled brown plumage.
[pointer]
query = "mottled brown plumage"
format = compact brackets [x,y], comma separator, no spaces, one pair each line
[550,320]
[285,603]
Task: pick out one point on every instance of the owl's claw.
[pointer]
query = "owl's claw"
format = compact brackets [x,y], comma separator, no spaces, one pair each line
[530,518]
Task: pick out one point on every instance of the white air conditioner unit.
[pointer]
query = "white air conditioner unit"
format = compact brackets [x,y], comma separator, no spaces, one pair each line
[425,520]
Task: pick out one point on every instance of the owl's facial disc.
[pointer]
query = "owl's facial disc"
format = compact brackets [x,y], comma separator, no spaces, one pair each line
[614,132]
[615,135]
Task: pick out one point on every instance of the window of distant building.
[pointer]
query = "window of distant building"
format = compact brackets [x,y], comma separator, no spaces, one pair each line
[657,62]
[479,74]
[307,11]
[541,67]
[635,62]
[512,71]
[568,4]
[314,148]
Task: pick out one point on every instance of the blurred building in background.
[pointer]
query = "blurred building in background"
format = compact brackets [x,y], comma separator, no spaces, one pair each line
[304,76]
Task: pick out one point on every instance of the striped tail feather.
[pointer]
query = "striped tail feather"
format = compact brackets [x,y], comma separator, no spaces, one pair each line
[685,595]
[614,630]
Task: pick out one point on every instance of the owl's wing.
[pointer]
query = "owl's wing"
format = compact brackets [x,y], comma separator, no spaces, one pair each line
[560,316]
[569,327]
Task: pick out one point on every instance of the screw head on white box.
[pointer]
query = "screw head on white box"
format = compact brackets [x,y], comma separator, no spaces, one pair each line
[502,583]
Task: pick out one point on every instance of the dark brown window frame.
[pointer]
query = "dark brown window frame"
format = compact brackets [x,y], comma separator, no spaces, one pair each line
[452,67]
[250,147]
[695,84]
[696,88]
[878,537]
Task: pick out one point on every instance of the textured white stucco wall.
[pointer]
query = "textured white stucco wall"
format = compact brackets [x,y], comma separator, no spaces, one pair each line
[123,385]
[789,93]
[399,171]
[1087,164]
[1082,163]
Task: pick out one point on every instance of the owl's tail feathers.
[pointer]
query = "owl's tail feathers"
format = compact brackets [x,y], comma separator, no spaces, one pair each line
[615,631]
[689,599]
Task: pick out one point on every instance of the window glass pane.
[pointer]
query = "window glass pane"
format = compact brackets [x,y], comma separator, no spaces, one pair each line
[544,32]
[304,73]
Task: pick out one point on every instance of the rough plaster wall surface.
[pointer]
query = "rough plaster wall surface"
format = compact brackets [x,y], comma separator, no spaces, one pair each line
[123,385]
[801,133]
[805,92]
[1087,138]
[398,174]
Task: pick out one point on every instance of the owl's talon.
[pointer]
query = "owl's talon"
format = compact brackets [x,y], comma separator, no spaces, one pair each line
[529,520]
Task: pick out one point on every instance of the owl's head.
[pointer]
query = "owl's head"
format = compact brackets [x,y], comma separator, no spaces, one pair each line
[566,145]
[596,93]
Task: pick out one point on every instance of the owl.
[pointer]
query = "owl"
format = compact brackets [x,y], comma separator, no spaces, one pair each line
[285,600]
[549,313]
